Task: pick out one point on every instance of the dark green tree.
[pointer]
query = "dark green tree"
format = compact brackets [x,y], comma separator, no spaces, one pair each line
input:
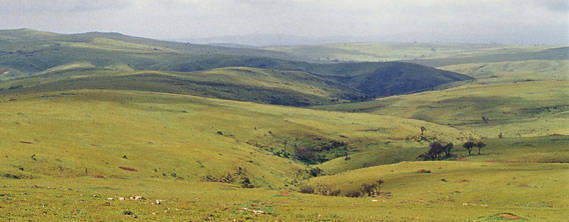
[468,146]
[480,145]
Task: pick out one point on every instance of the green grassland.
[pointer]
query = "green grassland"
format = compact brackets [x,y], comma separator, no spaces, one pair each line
[194,137]
[293,88]
[107,61]
[88,117]
[514,70]
[62,151]
[420,52]
[529,108]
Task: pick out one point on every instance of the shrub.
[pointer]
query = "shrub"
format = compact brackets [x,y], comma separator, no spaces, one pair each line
[354,194]
[246,183]
[368,189]
[335,193]
[323,189]
[315,171]
[305,155]
[306,189]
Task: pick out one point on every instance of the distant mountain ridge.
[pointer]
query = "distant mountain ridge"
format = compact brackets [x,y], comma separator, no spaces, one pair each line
[115,61]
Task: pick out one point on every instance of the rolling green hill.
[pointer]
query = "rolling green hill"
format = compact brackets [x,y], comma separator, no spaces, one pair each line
[529,108]
[83,133]
[114,61]
[108,127]
[433,54]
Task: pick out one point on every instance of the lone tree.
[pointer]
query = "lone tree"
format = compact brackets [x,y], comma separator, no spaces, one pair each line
[480,145]
[379,183]
[469,145]
[423,129]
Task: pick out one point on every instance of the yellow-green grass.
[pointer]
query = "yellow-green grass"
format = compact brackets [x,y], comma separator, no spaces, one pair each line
[532,191]
[238,83]
[117,45]
[86,133]
[514,70]
[533,108]
[291,80]
[376,51]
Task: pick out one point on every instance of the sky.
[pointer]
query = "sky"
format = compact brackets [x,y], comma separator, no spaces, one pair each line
[477,21]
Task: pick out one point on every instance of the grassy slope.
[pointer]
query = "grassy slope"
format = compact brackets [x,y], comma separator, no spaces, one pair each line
[532,190]
[514,70]
[515,109]
[177,134]
[28,52]
[94,129]
[431,52]
[238,83]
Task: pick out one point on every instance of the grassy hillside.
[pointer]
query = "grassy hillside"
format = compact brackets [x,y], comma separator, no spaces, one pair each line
[237,83]
[87,133]
[420,52]
[514,71]
[531,108]
[28,53]
[65,153]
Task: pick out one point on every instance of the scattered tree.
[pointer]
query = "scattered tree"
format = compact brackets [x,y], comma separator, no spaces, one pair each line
[379,183]
[423,129]
[480,145]
[468,146]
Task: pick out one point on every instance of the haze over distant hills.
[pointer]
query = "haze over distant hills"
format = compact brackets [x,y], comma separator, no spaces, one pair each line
[261,40]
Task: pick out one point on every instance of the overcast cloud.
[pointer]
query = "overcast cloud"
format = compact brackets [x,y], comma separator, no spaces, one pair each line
[504,21]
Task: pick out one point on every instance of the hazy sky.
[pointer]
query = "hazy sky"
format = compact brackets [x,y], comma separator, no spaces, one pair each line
[517,21]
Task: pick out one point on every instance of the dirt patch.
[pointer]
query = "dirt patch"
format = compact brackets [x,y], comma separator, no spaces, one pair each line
[128,169]
[509,216]
[98,176]
[462,181]
[461,159]
[523,185]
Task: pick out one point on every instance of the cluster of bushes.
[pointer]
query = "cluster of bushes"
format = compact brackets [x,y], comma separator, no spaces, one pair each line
[370,189]
[244,181]
[322,189]
[321,152]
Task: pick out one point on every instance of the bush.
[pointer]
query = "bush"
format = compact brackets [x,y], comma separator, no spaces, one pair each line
[323,189]
[306,189]
[246,183]
[335,193]
[368,189]
[305,155]
[354,194]
[315,171]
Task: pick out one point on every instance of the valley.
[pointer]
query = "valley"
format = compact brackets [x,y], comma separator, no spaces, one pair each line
[105,126]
